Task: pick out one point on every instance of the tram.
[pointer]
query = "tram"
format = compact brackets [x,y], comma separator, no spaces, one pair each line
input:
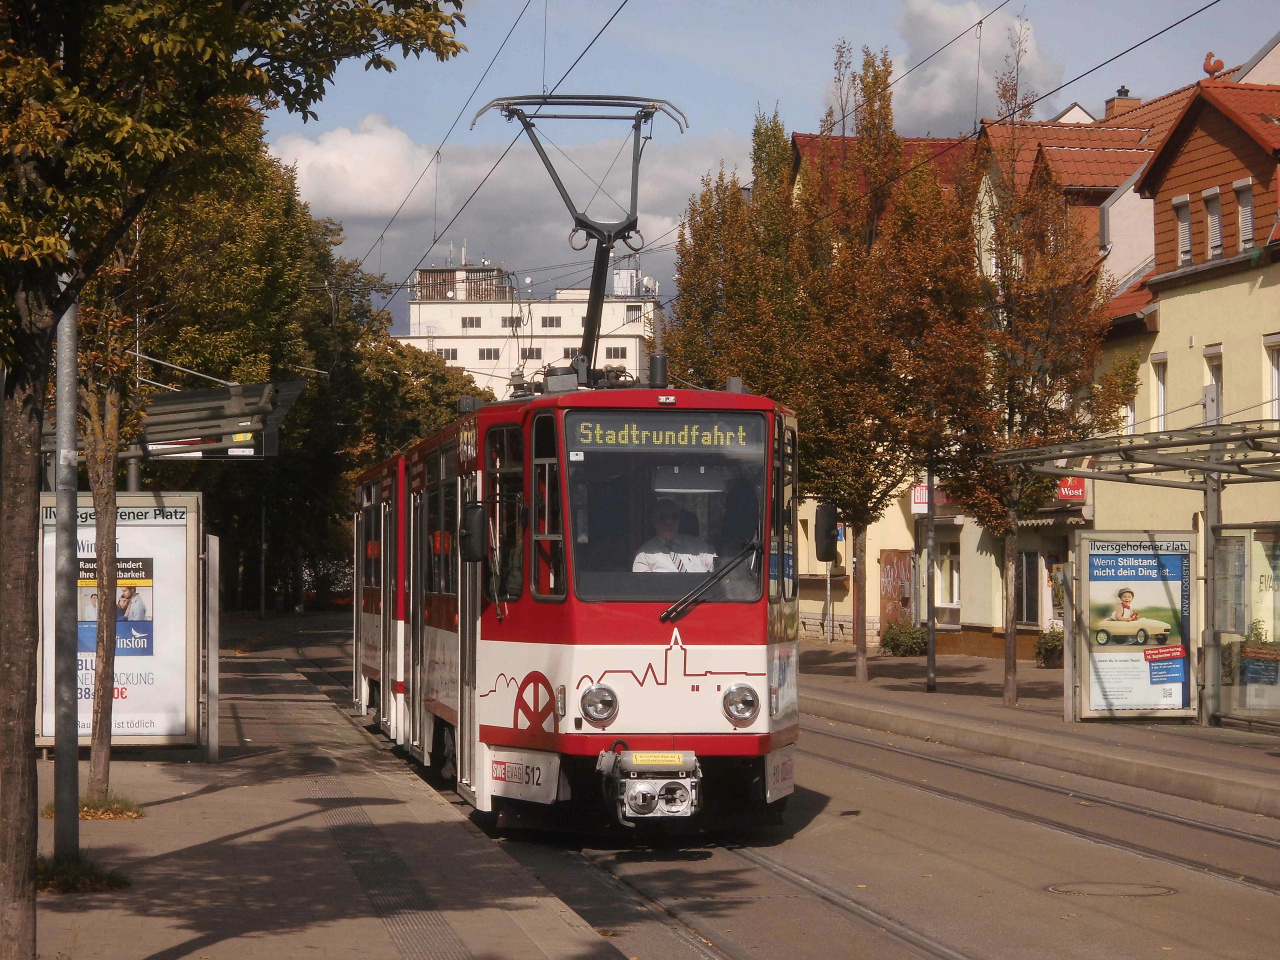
[589,593]
[586,594]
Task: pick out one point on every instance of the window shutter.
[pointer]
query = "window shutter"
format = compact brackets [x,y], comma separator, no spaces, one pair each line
[1244,199]
[1184,234]
[1213,212]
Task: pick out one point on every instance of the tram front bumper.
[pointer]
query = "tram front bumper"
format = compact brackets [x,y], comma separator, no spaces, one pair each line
[651,783]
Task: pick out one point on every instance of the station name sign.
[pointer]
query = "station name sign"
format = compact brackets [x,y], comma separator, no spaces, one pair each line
[669,432]
[87,516]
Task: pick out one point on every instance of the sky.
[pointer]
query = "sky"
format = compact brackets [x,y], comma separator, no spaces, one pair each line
[720,62]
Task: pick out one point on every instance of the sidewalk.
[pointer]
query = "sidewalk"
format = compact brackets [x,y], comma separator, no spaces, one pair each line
[1231,767]
[305,841]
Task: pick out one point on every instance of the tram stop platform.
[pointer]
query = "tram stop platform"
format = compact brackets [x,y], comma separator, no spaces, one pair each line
[308,839]
[1229,766]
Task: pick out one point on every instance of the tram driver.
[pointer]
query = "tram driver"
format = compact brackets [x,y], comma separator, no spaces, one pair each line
[672,551]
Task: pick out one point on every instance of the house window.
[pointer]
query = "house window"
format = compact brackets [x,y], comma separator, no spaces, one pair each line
[615,353]
[448,353]
[1131,416]
[948,573]
[489,353]
[1214,398]
[551,321]
[513,322]
[1244,211]
[470,323]
[1160,371]
[1026,587]
[1213,221]
[633,312]
[530,353]
[1272,344]
[570,352]
[1182,209]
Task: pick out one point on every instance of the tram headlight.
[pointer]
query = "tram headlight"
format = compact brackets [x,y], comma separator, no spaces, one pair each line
[741,704]
[599,704]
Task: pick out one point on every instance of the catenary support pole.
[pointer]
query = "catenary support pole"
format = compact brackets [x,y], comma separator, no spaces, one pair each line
[931,561]
[830,624]
[1209,672]
[213,613]
[1069,634]
[262,565]
[133,474]
[66,759]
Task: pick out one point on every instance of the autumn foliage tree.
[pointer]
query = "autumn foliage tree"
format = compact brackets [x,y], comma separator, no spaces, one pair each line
[1037,377]
[828,293]
[101,105]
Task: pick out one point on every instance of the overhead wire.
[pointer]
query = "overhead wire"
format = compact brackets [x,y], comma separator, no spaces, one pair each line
[435,157]
[510,146]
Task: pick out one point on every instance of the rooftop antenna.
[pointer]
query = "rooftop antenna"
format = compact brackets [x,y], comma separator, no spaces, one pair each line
[638,111]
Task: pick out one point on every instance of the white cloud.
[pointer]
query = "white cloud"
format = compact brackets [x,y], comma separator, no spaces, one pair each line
[360,176]
[938,98]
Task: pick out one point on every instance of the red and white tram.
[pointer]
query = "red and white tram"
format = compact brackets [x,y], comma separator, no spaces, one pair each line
[589,594]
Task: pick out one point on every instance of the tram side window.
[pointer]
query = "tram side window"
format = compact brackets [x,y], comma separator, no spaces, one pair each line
[448,561]
[776,521]
[548,575]
[431,524]
[372,547]
[504,491]
[790,477]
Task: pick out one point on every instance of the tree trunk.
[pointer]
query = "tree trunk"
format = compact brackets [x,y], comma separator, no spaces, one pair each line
[1011,615]
[860,602]
[20,418]
[102,444]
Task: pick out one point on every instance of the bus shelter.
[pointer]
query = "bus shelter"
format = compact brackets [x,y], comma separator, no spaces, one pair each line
[1235,656]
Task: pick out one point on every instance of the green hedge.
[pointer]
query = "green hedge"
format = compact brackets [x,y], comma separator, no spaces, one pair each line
[900,640]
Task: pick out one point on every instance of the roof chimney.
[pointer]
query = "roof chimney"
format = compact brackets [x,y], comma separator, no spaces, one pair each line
[1121,103]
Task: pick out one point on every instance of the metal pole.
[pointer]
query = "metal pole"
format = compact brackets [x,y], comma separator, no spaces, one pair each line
[1068,640]
[133,474]
[931,641]
[830,625]
[213,611]
[262,565]
[1210,662]
[66,759]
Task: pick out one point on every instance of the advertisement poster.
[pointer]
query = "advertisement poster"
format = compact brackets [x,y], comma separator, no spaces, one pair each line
[149,611]
[1138,589]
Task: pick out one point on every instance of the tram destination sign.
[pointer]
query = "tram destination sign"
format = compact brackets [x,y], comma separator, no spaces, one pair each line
[668,432]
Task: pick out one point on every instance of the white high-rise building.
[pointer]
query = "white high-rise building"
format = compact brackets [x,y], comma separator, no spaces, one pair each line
[475,318]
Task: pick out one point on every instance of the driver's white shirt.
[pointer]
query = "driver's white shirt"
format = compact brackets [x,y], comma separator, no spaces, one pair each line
[681,554]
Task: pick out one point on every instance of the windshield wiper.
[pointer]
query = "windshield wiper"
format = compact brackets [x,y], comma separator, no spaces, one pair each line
[685,603]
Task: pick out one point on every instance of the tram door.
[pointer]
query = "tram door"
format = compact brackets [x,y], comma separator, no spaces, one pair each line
[387,621]
[415,627]
[468,634]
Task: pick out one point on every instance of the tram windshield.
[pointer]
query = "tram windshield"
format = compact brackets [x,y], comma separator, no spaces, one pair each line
[659,500]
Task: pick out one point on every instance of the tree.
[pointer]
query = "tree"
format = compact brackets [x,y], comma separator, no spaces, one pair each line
[101,106]
[1036,378]
[805,291]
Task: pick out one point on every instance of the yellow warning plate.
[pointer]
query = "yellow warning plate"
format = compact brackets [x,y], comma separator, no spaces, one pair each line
[657,759]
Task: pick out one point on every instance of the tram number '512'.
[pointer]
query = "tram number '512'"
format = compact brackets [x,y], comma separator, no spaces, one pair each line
[510,772]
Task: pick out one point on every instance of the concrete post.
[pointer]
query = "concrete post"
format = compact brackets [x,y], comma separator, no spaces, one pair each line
[931,560]
[213,643]
[1210,655]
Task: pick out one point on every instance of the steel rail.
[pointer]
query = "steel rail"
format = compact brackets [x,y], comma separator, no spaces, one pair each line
[1058,826]
[845,904]
[688,928]
[1149,812]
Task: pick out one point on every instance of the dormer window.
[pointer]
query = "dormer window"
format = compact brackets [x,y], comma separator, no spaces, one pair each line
[1244,211]
[1182,210]
[1213,221]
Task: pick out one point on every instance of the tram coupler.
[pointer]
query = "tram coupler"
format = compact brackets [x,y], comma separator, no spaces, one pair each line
[651,783]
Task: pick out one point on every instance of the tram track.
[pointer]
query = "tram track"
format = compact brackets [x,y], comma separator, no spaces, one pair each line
[1148,812]
[1039,818]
